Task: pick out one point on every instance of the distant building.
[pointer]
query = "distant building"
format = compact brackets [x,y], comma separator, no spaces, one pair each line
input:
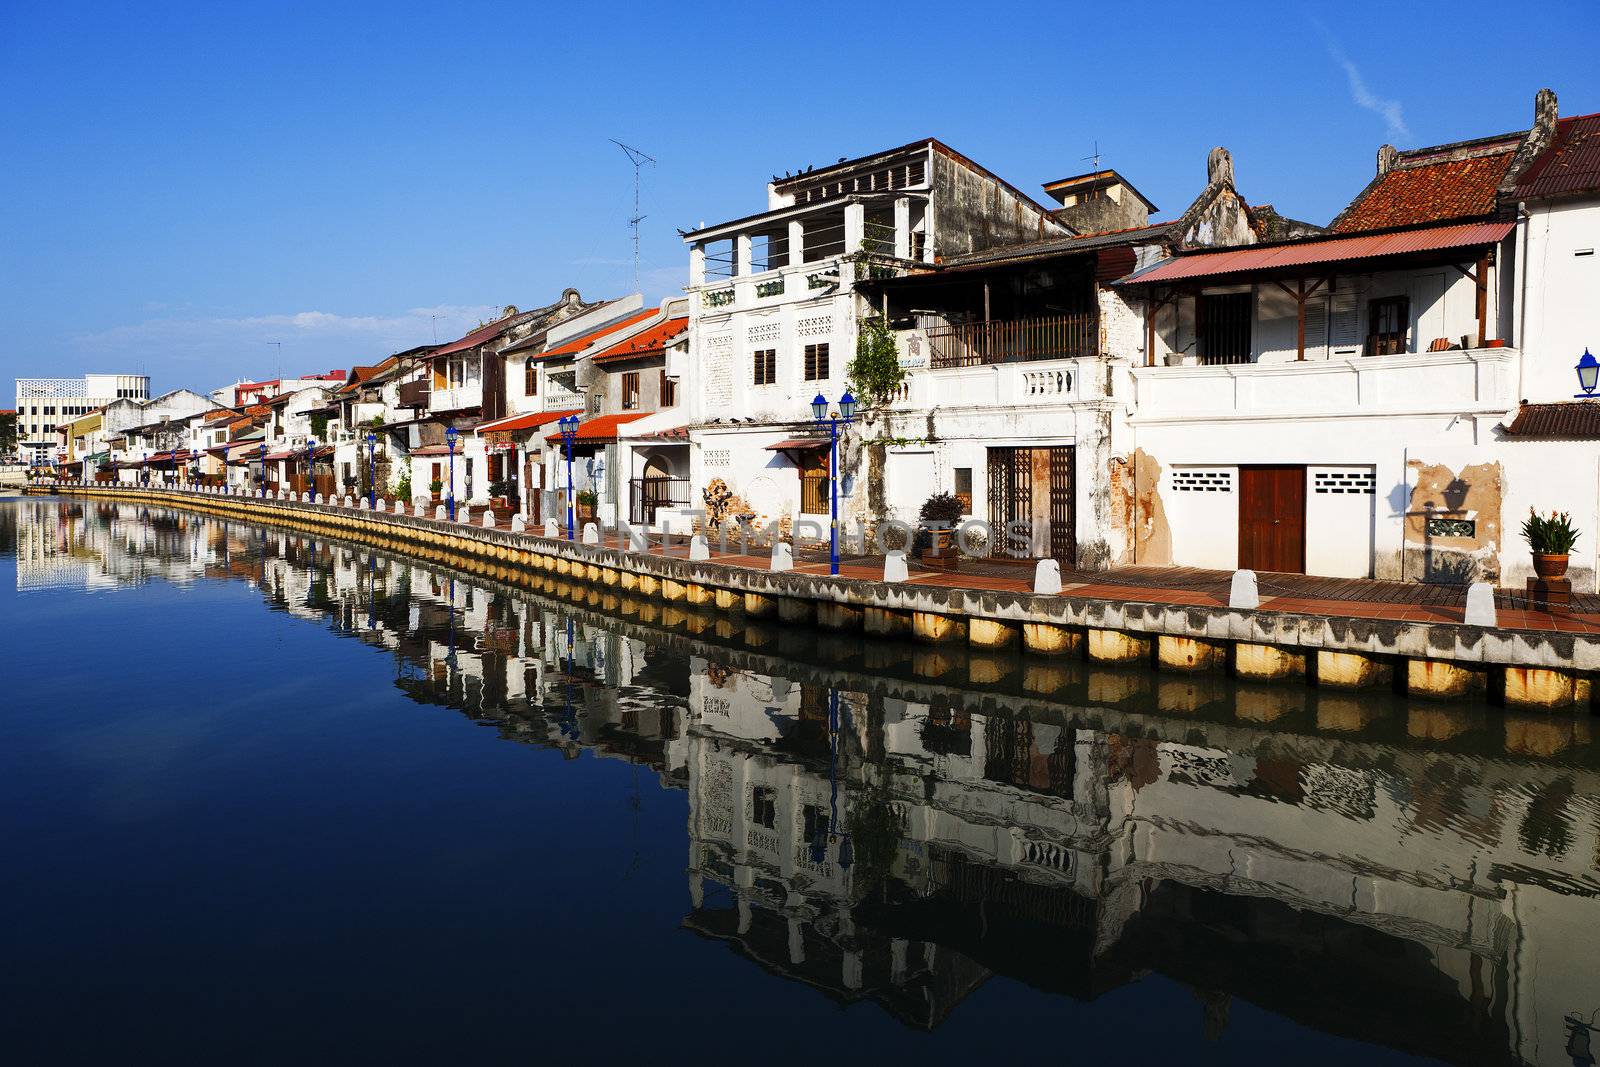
[43,404]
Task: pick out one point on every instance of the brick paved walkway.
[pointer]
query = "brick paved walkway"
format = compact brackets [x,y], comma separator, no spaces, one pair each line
[1198,587]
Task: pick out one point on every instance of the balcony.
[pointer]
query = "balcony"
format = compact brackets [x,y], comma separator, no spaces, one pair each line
[1471,380]
[458,397]
[978,344]
[415,394]
[1000,385]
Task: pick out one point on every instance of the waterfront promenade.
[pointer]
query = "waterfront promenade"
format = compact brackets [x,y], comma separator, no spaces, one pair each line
[1330,633]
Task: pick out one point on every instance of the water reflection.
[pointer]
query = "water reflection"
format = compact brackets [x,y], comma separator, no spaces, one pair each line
[882,837]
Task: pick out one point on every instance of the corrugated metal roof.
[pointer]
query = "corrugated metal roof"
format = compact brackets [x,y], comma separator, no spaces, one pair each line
[602,427]
[1573,418]
[1570,165]
[649,341]
[531,421]
[1314,251]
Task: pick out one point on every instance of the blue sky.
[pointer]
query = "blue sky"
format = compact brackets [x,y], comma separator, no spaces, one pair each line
[182,184]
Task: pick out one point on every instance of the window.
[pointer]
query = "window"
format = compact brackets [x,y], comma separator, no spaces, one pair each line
[817,823]
[1388,321]
[530,377]
[963,491]
[764,807]
[669,391]
[630,390]
[1222,327]
[766,365]
[816,363]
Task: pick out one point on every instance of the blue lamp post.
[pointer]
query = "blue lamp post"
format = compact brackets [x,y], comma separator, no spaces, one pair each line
[311,466]
[263,453]
[1588,369]
[450,441]
[847,411]
[372,471]
[569,433]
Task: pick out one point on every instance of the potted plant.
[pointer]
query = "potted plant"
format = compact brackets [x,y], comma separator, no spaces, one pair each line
[586,505]
[1551,538]
[937,547]
[436,487]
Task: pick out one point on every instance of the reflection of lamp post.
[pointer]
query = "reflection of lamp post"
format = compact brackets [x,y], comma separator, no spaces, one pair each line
[569,433]
[1588,369]
[819,843]
[819,411]
[372,471]
[450,442]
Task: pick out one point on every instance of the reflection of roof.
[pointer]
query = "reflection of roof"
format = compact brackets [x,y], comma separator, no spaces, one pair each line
[531,421]
[650,341]
[1572,418]
[1570,165]
[1308,253]
[1423,188]
[601,427]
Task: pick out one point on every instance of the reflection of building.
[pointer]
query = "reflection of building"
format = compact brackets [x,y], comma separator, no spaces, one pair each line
[899,842]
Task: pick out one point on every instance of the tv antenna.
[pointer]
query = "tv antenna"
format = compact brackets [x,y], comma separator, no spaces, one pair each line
[638,158]
[279,367]
[1094,158]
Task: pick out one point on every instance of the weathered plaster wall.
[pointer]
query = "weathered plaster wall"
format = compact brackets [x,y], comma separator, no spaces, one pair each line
[974,211]
[1439,491]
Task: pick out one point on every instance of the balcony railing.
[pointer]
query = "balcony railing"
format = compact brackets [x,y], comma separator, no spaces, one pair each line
[975,344]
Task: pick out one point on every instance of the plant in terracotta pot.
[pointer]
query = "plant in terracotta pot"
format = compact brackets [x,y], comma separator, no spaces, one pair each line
[937,547]
[586,504]
[436,487]
[1551,538]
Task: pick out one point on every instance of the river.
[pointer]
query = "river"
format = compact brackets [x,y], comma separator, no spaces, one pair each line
[270,797]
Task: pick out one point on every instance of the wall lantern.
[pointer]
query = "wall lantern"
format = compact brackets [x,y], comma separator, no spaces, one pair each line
[1588,374]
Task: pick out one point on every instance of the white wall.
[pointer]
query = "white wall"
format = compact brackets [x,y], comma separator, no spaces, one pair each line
[1562,305]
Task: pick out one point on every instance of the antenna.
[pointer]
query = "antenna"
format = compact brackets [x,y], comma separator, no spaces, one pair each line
[435,319]
[638,158]
[278,369]
[1095,158]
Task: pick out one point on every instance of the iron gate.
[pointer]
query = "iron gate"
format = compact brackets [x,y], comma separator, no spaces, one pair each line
[1025,482]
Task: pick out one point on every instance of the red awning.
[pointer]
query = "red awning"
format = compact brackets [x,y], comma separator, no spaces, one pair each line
[1310,253]
[800,444]
[530,421]
[601,428]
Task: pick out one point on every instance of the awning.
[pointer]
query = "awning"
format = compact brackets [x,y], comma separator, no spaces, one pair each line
[1312,252]
[602,429]
[531,421]
[1572,419]
[800,444]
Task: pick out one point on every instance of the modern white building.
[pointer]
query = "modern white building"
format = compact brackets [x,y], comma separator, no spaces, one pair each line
[46,403]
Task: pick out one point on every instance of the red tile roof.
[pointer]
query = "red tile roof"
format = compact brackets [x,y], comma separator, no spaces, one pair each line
[650,341]
[475,338]
[1569,166]
[1572,418]
[531,421]
[1314,251]
[583,341]
[601,427]
[1420,193]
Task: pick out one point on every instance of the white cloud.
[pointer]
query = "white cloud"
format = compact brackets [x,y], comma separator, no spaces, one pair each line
[1391,111]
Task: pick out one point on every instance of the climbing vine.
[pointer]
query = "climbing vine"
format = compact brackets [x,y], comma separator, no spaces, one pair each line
[875,374]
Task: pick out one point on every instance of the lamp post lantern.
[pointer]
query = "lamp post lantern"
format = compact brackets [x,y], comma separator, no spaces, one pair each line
[372,471]
[569,433]
[1588,369]
[450,441]
[819,412]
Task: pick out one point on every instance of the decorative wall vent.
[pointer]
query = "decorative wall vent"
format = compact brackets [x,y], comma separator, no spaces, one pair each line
[818,326]
[767,331]
[1344,482]
[1201,480]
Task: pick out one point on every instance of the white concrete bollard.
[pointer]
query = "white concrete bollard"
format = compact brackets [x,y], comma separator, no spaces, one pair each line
[1480,605]
[439,513]
[305,498]
[488,520]
[550,528]
[782,557]
[364,506]
[349,501]
[894,567]
[591,534]
[518,524]
[464,514]
[698,549]
[317,499]
[1047,577]
[1243,593]
[637,541]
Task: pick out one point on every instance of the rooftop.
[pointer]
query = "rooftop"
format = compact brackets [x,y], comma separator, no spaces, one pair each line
[1429,185]
[1570,166]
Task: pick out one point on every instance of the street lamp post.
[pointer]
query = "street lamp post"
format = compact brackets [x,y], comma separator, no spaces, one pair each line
[450,442]
[263,476]
[372,471]
[847,411]
[311,466]
[569,433]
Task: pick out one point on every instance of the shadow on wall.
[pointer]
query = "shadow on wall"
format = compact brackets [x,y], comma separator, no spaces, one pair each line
[1452,524]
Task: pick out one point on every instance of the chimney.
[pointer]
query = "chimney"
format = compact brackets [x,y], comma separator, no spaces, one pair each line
[1387,157]
[1219,167]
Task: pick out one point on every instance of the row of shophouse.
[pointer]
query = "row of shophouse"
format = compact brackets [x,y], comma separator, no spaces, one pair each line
[1381,396]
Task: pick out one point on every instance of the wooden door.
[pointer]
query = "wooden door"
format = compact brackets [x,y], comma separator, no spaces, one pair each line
[1272,519]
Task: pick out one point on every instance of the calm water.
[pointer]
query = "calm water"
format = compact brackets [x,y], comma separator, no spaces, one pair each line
[267,799]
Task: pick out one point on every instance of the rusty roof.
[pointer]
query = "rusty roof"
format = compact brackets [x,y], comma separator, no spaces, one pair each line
[1571,418]
[650,341]
[1570,166]
[1314,251]
[1424,188]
